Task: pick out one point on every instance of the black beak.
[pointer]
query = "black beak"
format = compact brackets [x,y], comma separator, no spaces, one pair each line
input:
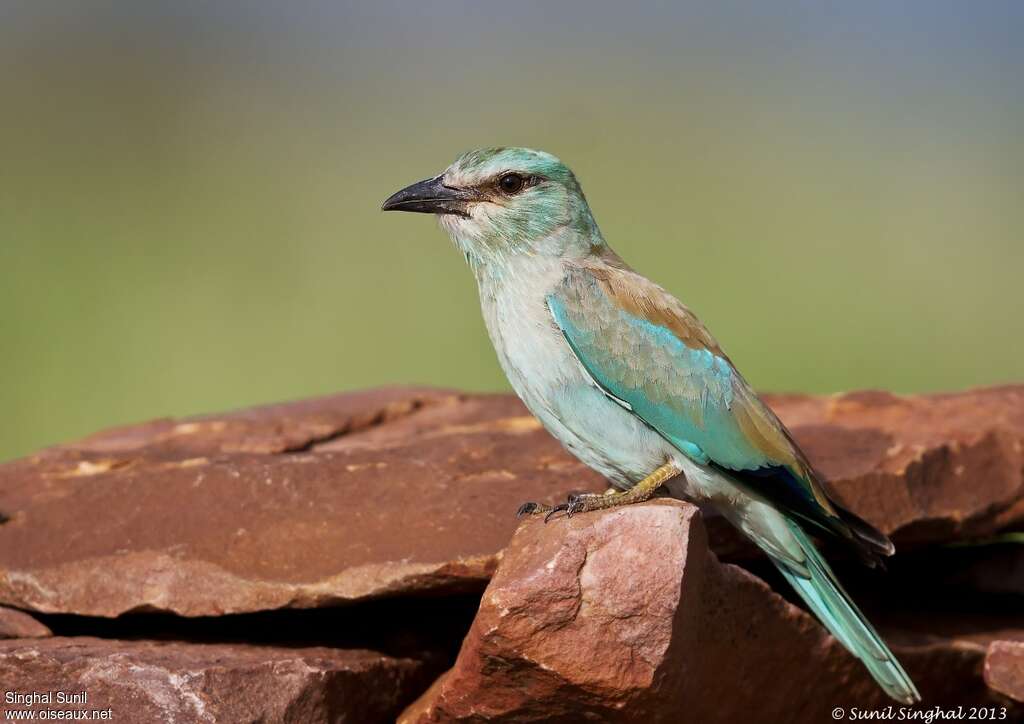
[431,197]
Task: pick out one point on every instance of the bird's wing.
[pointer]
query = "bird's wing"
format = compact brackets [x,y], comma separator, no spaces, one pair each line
[648,351]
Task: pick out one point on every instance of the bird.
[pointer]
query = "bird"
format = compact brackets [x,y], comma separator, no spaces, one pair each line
[631,382]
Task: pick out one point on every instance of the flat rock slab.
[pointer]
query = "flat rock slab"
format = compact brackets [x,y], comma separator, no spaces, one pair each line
[924,469]
[626,615]
[15,624]
[301,505]
[147,681]
[410,490]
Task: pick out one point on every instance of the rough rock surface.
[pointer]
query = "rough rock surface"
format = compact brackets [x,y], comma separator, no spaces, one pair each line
[306,504]
[950,663]
[15,624]
[626,615]
[408,494]
[1004,668]
[925,468]
[147,681]
[400,490]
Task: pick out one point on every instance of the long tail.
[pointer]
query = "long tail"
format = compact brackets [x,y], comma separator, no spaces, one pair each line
[818,587]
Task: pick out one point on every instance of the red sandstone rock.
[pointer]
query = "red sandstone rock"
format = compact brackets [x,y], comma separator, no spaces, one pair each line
[922,468]
[626,615]
[15,624]
[299,505]
[391,491]
[1004,668]
[147,681]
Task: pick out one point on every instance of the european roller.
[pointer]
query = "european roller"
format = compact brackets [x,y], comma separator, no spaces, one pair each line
[631,382]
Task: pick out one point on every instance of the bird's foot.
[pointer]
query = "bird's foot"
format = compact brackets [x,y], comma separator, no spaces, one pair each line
[576,503]
[533,509]
[586,502]
[569,507]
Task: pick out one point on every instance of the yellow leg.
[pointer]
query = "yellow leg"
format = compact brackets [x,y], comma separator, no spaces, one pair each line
[586,502]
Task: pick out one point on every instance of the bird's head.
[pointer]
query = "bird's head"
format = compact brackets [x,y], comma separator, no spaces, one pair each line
[498,202]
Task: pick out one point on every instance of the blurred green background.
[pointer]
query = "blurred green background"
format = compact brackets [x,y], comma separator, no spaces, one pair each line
[189,191]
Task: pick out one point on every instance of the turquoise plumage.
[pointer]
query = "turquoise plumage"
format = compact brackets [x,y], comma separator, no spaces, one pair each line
[694,398]
[823,594]
[631,382]
[681,384]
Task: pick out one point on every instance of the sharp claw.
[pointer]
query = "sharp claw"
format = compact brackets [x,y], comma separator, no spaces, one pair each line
[557,509]
[575,503]
[526,509]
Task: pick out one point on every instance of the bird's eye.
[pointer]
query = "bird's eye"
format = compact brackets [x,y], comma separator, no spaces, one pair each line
[511,183]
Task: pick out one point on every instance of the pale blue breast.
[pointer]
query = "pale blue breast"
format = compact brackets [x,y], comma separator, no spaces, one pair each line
[556,388]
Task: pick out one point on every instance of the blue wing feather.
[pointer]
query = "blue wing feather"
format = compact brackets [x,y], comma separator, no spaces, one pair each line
[648,355]
[710,434]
